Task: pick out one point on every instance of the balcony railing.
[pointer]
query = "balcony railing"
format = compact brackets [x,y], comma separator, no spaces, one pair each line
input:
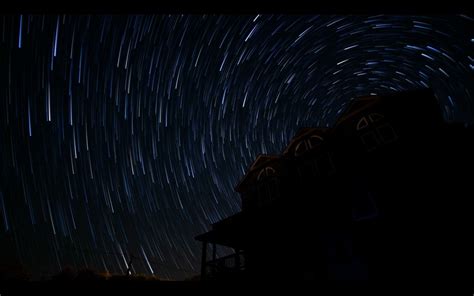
[227,264]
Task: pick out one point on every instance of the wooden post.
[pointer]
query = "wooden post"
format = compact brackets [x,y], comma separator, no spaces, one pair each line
[203,260]
[214,267]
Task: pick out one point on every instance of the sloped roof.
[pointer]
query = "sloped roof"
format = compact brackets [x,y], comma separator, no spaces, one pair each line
[357,105]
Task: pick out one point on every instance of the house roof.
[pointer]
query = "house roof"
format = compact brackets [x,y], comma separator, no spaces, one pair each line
[227,232]
[357,105]
[239,230]
[420,96]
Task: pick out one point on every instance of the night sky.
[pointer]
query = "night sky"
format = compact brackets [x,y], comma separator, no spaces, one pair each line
[127,134]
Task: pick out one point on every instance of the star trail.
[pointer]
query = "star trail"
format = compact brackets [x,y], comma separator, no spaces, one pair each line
[127,134]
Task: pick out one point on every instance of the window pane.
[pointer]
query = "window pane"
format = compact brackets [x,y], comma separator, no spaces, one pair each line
[315,141]
[270,171]
[362,123]
[300,148]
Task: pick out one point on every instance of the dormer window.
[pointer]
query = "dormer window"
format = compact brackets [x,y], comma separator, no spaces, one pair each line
[315,141]
[266,172]
[362,123]
[371,118]
[268,188]
[308,144]
[377,133]
[301,148]
[387,133]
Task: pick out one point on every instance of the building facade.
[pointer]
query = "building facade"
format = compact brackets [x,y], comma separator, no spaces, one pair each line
[357,201]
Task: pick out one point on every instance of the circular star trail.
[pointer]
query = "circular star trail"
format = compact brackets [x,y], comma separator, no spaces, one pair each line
[126,135]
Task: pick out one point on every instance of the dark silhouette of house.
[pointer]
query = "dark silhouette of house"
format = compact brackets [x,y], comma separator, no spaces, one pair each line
[382,195]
